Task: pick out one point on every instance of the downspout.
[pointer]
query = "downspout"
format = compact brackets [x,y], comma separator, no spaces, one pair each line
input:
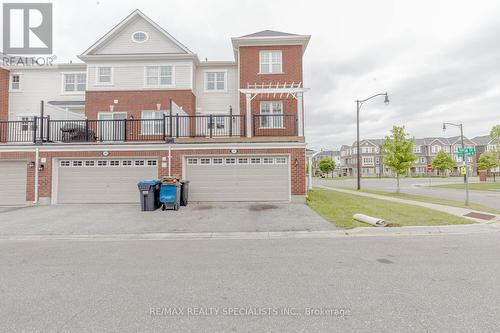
[37,165]
[170,161]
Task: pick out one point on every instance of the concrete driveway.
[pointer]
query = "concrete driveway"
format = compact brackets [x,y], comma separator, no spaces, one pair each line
[127,219]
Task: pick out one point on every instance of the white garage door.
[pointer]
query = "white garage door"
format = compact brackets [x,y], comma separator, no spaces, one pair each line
[242,178]
[102,180]
[12,182]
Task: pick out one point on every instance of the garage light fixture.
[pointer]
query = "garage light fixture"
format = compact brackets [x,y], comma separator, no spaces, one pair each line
[31,164]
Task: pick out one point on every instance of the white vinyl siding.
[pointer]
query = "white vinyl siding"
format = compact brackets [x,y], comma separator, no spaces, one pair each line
[270,62]
[105,75]
[74,82]
[131,75]
[272,114]
[158,76]
[217,102]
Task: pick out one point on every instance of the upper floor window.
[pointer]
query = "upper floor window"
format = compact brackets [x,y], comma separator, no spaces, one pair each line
[74,82]
[15,82]
[104,75]
[159,76]
[270,62]
[271,114]
[152,122]
[140,37]
[435,149]
[215,81]
[417,149]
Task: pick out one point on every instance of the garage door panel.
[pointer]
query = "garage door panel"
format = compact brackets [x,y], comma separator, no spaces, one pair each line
[238,182]
[107,184]
[13,182]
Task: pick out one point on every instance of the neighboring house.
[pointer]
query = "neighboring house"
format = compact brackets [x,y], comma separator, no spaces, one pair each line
[425,149]
[141,106]
[485,144]
[333,154]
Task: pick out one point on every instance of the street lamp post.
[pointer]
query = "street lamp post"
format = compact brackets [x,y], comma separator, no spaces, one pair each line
[464,159]
[359,103]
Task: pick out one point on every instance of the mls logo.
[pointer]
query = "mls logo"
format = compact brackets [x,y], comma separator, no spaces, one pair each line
[27,28]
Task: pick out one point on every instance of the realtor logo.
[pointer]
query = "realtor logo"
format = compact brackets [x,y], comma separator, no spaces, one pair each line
[27,28]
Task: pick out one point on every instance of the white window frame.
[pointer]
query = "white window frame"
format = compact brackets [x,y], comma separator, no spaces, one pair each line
[192,161]
[75,83]
[11,81]
[159,85]
[271,120]
[417,149]
[139,41]
[215,71]
[98,76]
[218,123]
[271,61]
[27,122]
[218,161]
[152,128]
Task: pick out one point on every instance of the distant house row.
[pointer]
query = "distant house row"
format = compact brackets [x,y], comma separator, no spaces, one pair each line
[424,148]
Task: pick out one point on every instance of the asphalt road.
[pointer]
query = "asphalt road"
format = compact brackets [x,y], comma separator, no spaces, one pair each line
[363,284]
[419,186]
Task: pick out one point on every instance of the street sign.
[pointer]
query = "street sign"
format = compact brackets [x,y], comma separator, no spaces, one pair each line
[429,167]
[463,171]
[469,151]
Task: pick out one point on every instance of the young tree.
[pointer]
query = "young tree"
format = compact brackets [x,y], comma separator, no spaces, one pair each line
[397,152]
[326,165]
[443,162]
[487,161]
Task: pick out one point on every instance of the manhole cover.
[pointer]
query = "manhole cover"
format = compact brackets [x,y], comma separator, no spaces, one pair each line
[480,216]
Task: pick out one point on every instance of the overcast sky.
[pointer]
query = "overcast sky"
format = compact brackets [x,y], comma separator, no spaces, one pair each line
[438,60]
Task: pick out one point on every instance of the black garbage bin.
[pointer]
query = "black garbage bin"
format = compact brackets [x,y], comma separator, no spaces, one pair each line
[184,192]
[149,194]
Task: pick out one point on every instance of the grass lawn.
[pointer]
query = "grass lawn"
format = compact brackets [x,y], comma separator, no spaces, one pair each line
[474,186]
[339,208]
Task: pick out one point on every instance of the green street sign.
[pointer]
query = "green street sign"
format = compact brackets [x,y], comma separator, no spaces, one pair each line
[466,151]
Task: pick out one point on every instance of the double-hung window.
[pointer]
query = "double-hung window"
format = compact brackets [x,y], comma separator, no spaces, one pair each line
[215,81]
[74,82]
[105,75]
[270,62]
[271,114]
[152,122]
[217,122]
[159,76]
[15,82]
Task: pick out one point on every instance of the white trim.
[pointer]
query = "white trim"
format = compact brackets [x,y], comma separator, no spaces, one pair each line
[118,27]
[158,86]
[136,41]
[76,92]
[97,83]
[205,81]
[271,63]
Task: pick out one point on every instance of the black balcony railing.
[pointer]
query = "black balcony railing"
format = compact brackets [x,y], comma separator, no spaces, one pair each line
[119,130]
[275,125]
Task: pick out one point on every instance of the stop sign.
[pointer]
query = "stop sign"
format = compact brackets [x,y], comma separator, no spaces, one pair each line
[429,167]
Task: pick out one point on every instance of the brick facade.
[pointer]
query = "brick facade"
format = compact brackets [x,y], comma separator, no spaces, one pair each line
[297,164]
[133,102]
[4,94]
[250,68]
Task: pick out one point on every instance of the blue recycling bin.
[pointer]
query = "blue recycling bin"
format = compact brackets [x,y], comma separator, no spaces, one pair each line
[149,194]
[170,195]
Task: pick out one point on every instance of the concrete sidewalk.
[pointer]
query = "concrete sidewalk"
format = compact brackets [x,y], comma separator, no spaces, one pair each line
[457,211]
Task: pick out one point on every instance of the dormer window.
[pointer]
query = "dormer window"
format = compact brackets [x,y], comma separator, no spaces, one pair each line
[140,37]
[271,62]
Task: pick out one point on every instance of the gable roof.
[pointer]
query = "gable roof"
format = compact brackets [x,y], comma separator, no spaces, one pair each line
[268,33]
[482,140]
[136,13]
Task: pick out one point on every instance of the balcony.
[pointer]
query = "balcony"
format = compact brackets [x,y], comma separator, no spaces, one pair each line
[179,128]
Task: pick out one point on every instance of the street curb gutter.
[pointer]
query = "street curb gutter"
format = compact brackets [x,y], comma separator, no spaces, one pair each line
[273,235]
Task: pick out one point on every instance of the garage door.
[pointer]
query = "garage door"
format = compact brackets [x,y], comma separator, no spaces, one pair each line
[245,178]
[102,180]
[12,182]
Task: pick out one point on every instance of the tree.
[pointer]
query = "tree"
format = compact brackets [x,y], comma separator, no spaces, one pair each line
[443,162]
[397,152]
[495,133]
[326,165]
[487,161]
